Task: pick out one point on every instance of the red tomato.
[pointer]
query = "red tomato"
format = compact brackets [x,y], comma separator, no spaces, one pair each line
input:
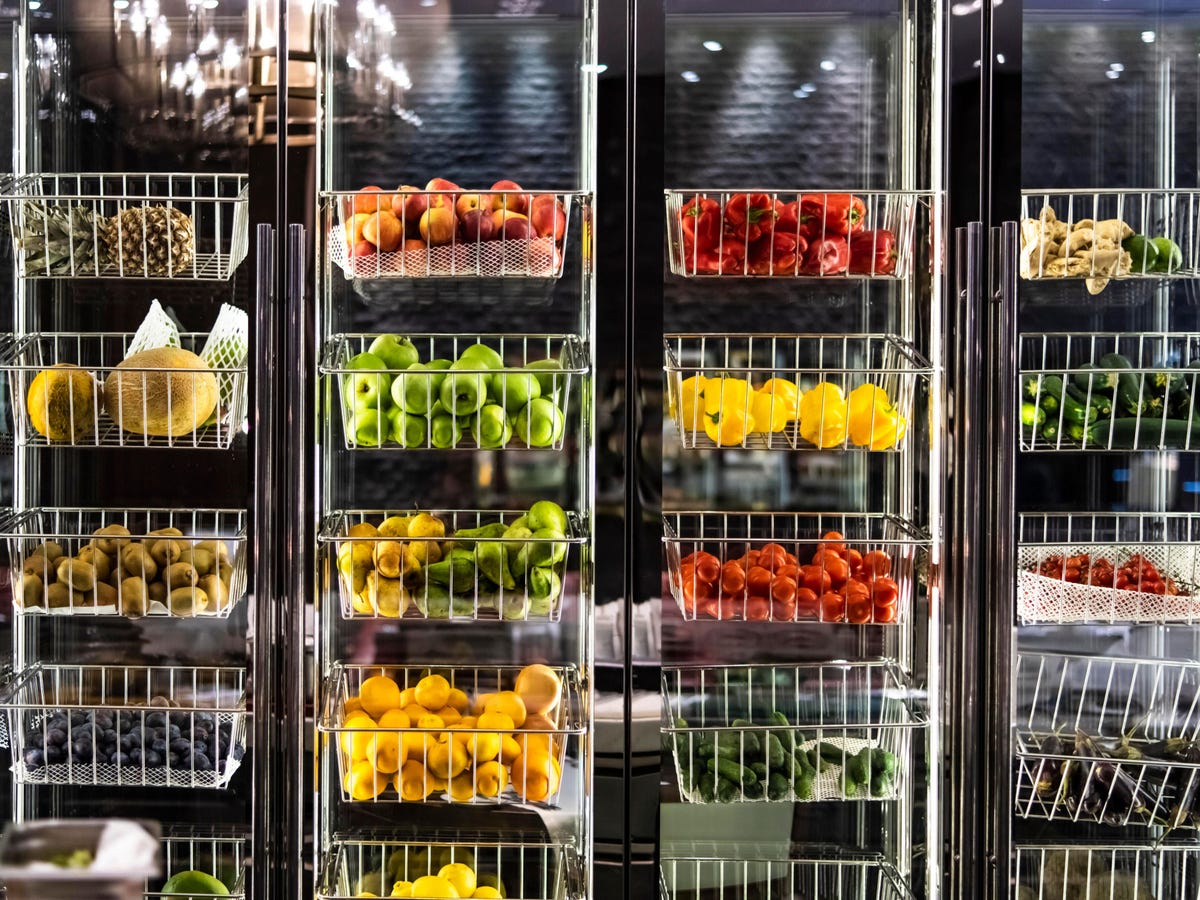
[832,540]
[815,579]
[750,559]
[757,610]
[885,614]
[708,568]
[858,610]
[833,607]
[690,558]
[783,612]
[853,560]
[876,563]
[885,592]
[857,588]
[836,567]
[772,557]
[758,582]
[807,603]
[733,578]
[788,571]
[711,608]
[783,589]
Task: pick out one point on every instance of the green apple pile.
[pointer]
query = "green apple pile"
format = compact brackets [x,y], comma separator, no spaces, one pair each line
[390,396]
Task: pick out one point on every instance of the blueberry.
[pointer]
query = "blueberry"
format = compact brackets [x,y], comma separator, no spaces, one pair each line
[56,736]
[174,760]
[110,734]
[238,751]
[82,748]
[78,718]
[156,720]
[34,758]
[158,745]
[135,756]
[54,755]
[201,762]
[173,732]
[120,759]
[137,733]
[152,759]
[104,720]
[181,745]
[35,737]
[127,743]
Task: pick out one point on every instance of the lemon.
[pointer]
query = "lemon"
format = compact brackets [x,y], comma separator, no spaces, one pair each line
[461,876]
[433,886]
[354,743]
[362,782]
[379,694]
[432,692]
[402,889]
[510,703]
[484,892]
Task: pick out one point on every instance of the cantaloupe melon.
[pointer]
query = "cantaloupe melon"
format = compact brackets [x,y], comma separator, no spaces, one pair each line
[175,397]
[61,403]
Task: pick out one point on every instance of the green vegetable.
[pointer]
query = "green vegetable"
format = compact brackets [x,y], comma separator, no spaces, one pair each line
[786,737]
[1142,251]
[832,754]
[1170,257]
[1031,388]
[728,768]
[1129,386]
[1051,396]
[804,788]
[1102,404]
[1050,431]
[708,787]
[1076,413]
[775,751]
[883,761]
[1032,416]
[777,787]
[849,785]
[1088,377]
[882,784]
[727,791]
[1137,434]
[858,769]
[760,769]
[1076,431]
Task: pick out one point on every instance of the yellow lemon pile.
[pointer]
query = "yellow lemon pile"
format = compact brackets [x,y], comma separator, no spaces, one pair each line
[432,739]
[424,872]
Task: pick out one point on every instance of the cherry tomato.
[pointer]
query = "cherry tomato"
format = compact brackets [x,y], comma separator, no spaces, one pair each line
[885,592]
[711,608]
[836,567]
[708,568]
[857,588]
[772,557]
[758,582]
[832,540]
[833,607]
[876,563]
[853,560]
[885,614]
[815,579]
[791,559]
[757,610]
[807,603]
[690,558]
[783,612]
[733,578]
[750,559]
[858,610]
[788,571]
[783,589]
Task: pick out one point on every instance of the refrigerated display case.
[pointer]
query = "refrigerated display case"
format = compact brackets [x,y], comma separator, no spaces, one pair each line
[1087,316]
[801,448]
[453,467]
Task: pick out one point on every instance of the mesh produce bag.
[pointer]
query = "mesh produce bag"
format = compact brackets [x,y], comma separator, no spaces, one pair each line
[226,348]
[157,330]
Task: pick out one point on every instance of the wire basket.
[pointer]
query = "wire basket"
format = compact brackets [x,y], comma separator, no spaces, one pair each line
[1101,235]
[44,541]
[1110,391]
[517,394]
[792,234]
[217,853]
[75,408]
[837,876]
[528,870]
[114,225]
[389,761]
[451,234]
[792,391]
[1100,546]
[477,577]
[116,725]
[791,733]
[1110,741]
[1095,872]
[803,578]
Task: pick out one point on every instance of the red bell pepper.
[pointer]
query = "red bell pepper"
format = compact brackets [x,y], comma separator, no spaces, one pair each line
[826,214]
[730,261]
[701,221]
[776,254]
[749,216]
[873,252]
[827,256]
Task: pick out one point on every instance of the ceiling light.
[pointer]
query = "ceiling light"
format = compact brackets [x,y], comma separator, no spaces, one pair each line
[808,87]
[690,76]
[1112,73]
[828,65]
[714,46]
[598,68]
[799,93]
[1000,58]
[35,4]
[1147,37]
[428,3]
[120,4]
[965,9]
[1116,67]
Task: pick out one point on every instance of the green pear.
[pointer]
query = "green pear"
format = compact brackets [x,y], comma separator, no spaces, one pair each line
[514,607]
[492,561]
[544,588]
[547,514]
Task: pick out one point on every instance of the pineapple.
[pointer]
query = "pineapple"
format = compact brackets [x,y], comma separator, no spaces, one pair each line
[58,240]
[155,241]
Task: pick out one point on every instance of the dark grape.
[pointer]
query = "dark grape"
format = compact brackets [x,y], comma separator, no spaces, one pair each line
[82,748]
[173,732]
[159,746]
[35,737]
[238,751]
[104,721]
[181,745]
[120,759]
[127,743]
[135,756]
[34,758]
[56,736]
[54,754]
[137,733]
[156,720]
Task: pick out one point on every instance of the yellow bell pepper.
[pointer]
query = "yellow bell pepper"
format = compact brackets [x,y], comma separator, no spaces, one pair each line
[691,396]
[785,392]
[770,412]
[891,434]
[873,421]
[724,394]
[731,429]
[823,415]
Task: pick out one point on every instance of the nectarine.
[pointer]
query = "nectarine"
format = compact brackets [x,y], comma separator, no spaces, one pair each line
[547,216]
[468,202]
[371,199]
[438,224]
[354,228]
[515,202]
[500,216]
[517,230]
[477,225]
[383,230]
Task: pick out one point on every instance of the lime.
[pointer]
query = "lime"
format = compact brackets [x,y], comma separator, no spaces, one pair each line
[1142,252]
[193,885]
[1170,257]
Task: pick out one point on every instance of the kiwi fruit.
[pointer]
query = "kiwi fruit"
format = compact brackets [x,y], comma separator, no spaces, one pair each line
[187,601]
[157,592]
[136,560]
[105,594]
[165,532]
[98,560]
[217,591]
[219,549]
[39,565]
[166,551]
[199,558]
[135,599]
[52,550]
[111,539]
[58,595]
[33,592]
[78,574]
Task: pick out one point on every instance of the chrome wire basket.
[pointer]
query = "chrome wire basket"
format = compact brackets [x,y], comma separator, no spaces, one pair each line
[127,726]
[217,853]
[207,545]
[1106,740]
[1109,391]
[128,225]
[790,733]
[69,389]
[516,393]
[529,870]
[472,577]
[1103,872]
[452,233]
[792,234]
[1108,567]
[793,567]
[391,748]
[835,876]
[793,391]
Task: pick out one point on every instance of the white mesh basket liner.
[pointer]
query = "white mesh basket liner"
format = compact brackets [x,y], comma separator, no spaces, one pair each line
[1044,599]
[157,330]
[227,348]
[534,258]
[826,786]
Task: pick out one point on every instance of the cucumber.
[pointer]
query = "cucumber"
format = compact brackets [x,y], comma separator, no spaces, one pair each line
[883,761]
[777,787]
[775,751]
[858,769]
[785,736]
[1135,434]
[804,788]
[708,787]
[1076,413]
[882,785]
[728,768]
[727,791]
[1049,432]
[831,753]
[760,769]
[1032,416]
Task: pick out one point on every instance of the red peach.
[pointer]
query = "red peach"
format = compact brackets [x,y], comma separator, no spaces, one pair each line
[517,230]
[468,202]
[363,248]
[500,216]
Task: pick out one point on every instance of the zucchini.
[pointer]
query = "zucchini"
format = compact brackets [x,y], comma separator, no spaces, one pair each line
[1076,413]
[1031,388]
[777,787]
[727,791]
[1139,434]
[728,768]
[831,753]
[1032,416]
[1100,401]
[1172,380]
[1049,432]
[1076,431]
[1129,386]
[1051,394]
[708,787]
[1087,377]
[775,751]
[804,788]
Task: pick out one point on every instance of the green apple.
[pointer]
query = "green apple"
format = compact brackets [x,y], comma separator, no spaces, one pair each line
[490,428]
[408,430]
[549,374]
[540,423]
[396,352]
[546,514]
[445,431]
[366,388]
[370,428]
[197,882]
[485,356]
[1170,256]
[514,390]
[416,390]
[463,393]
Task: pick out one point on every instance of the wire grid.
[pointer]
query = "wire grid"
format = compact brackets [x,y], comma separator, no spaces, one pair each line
[208,703]
[1108,740]
[214,853]
[840,876]
[208,536]
[450,241]
[455,595]
[98,422]
[70,226]
[1083,234]
[344,683]
[1134,391]
[1049,591]
[1097,872]
[792,234]
[829,712]
[800,588]
[526,870]
[379,423]
[739,366]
